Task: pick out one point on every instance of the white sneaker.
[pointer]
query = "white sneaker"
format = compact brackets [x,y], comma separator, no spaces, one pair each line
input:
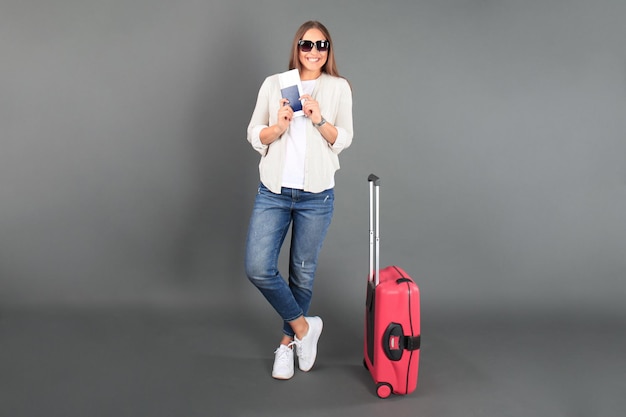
[283,362]
[306,349]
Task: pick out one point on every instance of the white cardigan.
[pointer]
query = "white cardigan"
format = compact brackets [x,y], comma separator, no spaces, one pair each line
[334,96]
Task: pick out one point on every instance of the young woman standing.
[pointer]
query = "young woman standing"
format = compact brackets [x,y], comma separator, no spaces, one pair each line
[299,157]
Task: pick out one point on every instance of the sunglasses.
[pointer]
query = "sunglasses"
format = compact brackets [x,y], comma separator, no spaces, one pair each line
[307,46]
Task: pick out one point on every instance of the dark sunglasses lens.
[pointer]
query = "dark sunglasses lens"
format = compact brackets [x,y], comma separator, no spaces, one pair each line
[306,46]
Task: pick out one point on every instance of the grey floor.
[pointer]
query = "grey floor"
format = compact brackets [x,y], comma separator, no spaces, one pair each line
[125,362]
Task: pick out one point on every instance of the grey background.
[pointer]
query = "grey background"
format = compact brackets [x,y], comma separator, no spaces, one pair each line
[497,127]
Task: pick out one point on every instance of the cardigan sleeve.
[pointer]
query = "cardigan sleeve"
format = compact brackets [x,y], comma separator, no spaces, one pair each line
[343,119]
[260,118]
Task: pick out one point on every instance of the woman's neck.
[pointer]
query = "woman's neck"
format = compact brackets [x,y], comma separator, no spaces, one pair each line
[309,75]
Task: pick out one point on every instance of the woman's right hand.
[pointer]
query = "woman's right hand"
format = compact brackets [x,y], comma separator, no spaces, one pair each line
[285,114]
[272,133]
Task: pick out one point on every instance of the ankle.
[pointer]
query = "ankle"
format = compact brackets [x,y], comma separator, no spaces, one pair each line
[286,340]
[303,331]
[300,327]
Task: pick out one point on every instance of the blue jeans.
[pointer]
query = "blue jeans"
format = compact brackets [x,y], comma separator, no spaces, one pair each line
[310,215]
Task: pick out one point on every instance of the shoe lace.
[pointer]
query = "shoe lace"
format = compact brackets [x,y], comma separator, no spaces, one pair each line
[283,353]
[299,351]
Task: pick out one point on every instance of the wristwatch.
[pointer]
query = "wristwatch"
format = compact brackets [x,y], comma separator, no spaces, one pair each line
[321,123]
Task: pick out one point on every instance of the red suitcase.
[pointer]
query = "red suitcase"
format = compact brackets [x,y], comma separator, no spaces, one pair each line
[392,317]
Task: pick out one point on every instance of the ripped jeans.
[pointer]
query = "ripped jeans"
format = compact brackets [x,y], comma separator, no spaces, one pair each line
[310,215]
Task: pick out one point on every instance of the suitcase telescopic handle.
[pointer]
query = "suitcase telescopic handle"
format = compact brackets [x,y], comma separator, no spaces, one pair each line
[373,178]
[374,229]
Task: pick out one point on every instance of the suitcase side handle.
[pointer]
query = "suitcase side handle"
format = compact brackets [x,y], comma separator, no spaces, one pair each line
[395,342]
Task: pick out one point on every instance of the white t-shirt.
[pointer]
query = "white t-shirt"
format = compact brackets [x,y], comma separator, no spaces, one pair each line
[293,172]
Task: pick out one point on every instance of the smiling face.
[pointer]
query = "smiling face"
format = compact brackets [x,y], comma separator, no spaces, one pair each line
[313,61]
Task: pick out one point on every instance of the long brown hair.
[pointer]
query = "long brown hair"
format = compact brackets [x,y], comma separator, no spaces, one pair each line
[294,62]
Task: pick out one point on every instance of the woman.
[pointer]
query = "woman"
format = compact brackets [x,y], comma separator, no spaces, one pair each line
[298,163]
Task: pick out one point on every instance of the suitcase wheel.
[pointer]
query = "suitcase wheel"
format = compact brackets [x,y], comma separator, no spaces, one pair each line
[383,390]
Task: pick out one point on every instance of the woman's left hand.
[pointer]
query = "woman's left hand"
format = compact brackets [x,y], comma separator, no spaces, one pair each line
[311,108]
